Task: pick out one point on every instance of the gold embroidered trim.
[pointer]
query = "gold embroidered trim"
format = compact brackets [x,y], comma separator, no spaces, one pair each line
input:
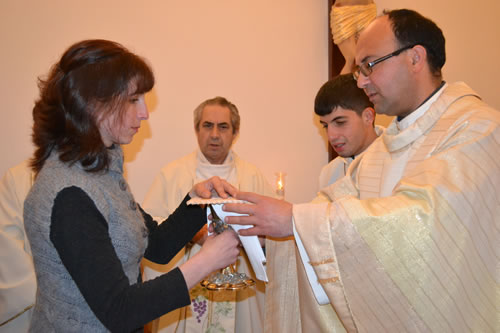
[17,315]
[326,261]
[330,280]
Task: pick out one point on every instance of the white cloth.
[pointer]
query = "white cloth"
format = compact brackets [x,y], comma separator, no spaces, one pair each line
[426,256]
[17,273]
[167,191]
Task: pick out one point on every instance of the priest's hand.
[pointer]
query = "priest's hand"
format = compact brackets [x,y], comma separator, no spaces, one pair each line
[214,185]
[269,216]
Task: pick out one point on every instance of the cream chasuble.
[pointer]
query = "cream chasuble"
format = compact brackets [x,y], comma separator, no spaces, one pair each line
[416,252]
[230,311]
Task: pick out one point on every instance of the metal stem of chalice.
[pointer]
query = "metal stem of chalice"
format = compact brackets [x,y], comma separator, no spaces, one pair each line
[227,278]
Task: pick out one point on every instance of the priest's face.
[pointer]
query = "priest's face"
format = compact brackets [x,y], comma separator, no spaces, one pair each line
[349,133]
[215,133]
[389,85]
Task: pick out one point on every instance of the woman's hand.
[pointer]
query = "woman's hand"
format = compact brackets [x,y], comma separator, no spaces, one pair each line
[221,250]
[217,252]
[214,185]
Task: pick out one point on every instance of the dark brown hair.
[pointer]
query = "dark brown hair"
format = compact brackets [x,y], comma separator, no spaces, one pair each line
[91,81]
[341,91]
[411,28]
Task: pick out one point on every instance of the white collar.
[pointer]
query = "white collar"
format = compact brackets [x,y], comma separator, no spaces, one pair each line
[205,169]
[202,159]
[412,117]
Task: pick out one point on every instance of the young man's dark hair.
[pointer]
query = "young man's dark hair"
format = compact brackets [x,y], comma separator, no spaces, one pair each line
[341,91]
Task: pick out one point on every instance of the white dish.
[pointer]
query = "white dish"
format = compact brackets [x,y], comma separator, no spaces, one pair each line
[213,201]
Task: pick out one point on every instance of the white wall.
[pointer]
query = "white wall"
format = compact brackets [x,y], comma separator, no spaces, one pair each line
[268,57]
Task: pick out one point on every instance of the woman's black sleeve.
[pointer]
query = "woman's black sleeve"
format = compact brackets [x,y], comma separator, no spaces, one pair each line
[170,236]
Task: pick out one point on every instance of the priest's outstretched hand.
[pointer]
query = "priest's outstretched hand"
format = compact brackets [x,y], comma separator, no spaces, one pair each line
[269,216]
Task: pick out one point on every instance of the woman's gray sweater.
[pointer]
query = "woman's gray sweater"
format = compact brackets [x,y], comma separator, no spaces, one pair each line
[88,237]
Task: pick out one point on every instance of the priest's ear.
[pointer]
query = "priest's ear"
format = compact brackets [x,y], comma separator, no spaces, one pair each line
[368,116]
[418,57]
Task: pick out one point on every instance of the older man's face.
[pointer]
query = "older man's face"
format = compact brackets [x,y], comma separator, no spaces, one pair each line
[389,86]
[215,133]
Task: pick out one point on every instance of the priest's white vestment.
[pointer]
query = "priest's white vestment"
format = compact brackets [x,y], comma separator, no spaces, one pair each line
[410,239]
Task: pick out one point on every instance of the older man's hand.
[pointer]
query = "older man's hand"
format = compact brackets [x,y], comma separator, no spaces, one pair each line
[215,184]
[269,216]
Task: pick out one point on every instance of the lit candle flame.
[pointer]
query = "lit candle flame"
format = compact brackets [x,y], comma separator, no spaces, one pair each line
[280,184]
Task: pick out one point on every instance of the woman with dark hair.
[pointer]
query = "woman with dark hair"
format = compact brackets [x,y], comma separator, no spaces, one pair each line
[87,233]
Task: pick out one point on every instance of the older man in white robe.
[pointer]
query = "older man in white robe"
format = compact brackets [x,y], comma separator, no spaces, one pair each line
[410,240]
[217,124]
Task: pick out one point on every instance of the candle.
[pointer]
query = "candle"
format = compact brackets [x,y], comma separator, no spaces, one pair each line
[280,184]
